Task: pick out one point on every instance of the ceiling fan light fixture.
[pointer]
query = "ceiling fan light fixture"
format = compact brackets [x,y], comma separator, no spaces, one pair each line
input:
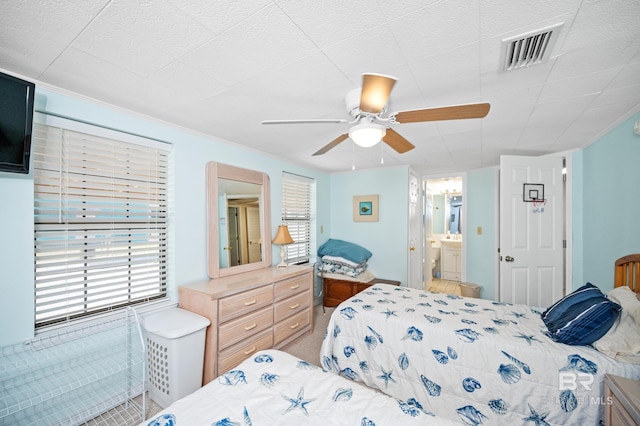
[367,134]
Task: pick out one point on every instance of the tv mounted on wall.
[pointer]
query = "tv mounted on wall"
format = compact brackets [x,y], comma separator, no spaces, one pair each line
[16,122]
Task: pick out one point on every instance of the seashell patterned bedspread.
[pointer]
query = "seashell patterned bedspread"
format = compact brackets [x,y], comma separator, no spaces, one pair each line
[276,388]
[468,360]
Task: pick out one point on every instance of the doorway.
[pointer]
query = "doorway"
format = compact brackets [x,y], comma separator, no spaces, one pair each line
[443,235]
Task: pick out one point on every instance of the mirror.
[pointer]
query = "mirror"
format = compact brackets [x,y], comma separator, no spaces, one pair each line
[446,205]
[455,210]
[446,214]
[238,220]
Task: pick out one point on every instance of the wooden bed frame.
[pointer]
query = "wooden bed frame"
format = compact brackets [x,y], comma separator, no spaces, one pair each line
[627,272]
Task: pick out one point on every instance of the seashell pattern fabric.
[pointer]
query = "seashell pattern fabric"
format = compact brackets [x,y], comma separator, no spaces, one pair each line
[467,360]
[276,388]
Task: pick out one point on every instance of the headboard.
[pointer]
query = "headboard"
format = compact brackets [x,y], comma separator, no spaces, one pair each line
[627,272]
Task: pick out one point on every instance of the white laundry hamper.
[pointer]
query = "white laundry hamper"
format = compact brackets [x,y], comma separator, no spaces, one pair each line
[175,353]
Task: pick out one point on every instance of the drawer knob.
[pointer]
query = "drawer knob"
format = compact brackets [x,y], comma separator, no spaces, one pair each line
[293,287]
[250,302]
[249,327]
[250,351]
[296,325]
[295,306]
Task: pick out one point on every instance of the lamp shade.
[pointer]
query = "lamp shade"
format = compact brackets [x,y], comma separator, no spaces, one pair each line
[283,236]
[367,134]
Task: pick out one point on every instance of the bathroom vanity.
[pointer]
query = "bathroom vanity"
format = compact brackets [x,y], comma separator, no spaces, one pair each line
[450,259]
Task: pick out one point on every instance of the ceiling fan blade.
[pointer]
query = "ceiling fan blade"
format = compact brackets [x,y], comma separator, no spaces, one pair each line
[455,112]
[306,121]
[397,142]
[376,89]
[331,144]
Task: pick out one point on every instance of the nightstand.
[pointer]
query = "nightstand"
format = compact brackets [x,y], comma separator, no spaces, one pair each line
[337,291]
[622,399]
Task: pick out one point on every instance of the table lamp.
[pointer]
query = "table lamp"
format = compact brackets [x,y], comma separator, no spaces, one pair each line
[282,238]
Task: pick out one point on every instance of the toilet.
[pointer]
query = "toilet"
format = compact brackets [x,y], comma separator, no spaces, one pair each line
[435,257]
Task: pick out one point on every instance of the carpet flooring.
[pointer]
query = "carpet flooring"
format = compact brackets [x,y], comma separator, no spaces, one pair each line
[308,346]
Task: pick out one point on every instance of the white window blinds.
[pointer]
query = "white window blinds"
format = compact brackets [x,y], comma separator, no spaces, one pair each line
[297,211]
[100,211]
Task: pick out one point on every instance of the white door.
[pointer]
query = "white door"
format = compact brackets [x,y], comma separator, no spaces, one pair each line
[253,234]
[531,230]
[415,233]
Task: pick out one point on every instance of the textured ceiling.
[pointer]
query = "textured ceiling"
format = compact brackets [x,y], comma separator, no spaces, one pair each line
[221,67]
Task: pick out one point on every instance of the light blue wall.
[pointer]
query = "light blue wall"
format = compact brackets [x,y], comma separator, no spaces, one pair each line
[610,202]
[16,257]
[387,238]
[481,250]
[191,152]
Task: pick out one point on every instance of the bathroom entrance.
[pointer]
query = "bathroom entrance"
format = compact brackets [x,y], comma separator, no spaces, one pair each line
[444,226]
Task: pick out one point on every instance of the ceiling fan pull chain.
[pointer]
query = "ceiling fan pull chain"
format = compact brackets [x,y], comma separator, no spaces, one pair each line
[353,155]
[381,153]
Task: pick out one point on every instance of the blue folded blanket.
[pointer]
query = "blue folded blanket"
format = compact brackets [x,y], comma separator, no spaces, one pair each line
[350,251]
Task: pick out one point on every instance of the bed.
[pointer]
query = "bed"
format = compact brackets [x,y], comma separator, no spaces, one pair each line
[471,360]
[274,387]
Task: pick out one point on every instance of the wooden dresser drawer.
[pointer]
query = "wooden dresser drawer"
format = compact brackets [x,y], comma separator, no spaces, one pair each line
[234,355]
[291,306]
[338,290]
[242,328]
[248,301]
[290,326]
[292,286]
[243,309]
[622,398]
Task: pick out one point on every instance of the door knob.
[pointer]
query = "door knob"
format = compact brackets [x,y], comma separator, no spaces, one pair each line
[412,248]
[509,259]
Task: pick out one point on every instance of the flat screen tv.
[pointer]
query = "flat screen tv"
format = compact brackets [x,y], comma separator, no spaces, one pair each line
[16,122]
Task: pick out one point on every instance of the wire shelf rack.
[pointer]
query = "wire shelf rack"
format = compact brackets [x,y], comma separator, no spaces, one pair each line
[88,374]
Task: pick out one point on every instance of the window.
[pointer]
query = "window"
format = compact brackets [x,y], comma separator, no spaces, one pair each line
[100,220]
[297,212]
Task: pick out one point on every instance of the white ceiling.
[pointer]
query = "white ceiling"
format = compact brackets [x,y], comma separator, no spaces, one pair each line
[220,67]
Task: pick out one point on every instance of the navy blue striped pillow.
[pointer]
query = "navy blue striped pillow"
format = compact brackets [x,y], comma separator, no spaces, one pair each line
[581,317]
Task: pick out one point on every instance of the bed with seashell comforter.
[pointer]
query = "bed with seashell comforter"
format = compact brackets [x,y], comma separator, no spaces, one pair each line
[276,388]
[470,360]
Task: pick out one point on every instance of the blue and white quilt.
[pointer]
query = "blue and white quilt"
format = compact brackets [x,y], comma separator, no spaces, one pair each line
[276,388]
[469,360]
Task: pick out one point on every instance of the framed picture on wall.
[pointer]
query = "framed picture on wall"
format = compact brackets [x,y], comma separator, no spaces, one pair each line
[365,208]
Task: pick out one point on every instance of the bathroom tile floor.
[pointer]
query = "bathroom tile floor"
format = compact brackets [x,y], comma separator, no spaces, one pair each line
[445,286]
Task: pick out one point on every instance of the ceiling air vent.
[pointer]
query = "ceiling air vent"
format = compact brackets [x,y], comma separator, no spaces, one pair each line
[528,49]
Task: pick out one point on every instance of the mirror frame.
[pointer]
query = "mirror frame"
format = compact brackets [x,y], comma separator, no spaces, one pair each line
[215,171]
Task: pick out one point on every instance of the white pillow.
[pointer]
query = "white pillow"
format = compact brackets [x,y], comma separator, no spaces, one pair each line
[628,300]
[623,338]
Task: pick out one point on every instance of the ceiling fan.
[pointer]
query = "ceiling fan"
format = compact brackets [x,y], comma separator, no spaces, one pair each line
[367,107]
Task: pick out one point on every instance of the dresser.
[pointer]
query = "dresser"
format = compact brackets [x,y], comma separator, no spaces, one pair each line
[249,312]
[622,401]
